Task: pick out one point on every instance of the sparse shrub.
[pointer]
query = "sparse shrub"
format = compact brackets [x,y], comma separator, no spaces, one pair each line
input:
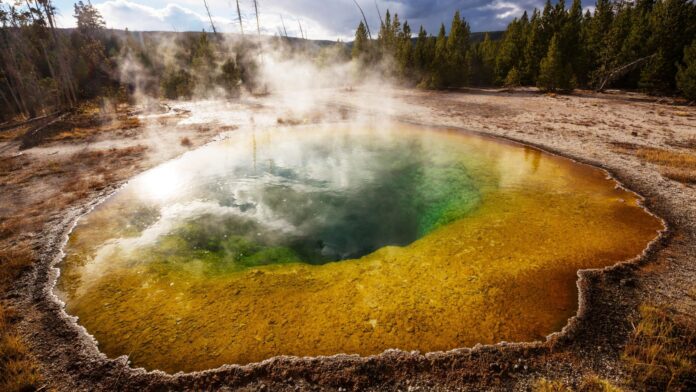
[186,142]
[177,84]
[230,78]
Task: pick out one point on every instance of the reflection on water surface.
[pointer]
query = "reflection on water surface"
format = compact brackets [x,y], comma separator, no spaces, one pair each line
[342,239]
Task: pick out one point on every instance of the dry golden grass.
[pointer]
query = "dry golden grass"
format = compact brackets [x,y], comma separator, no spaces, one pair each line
[675,165]
[544,385]
[685,176]
[661,351]
[74,177]
[12,262]
[17,369]
[667,158]
[596,384]
[589,383]
[89,122]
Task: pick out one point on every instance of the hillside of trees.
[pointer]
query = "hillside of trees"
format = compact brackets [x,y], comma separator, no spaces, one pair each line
[647,44]
[46,70]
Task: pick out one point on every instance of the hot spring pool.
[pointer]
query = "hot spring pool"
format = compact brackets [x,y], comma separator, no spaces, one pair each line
[342,239]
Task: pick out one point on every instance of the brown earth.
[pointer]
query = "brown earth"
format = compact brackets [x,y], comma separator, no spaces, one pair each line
[647,144]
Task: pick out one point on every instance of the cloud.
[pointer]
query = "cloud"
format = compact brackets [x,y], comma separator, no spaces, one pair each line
[135,16]
[503,9]
[321,19]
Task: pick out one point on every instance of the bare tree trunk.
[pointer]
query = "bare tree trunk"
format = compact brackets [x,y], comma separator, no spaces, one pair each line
[258,26]
[210,17]
[301,32]
[16,97]
[4,98]
[18,92]
[367,26]
[285,31]
[381,21]
[617,72]
[49,62]
[239,14]
[64,69]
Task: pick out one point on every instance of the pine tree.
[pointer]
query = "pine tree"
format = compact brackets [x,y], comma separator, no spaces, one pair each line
[203,64]
[404,51]
[673,25]
[91,68]
[361,44]
[534,50]
[686,73]
[439,65]
[510,53]
[481,62]
[421,55]
[554,75]
[513,78]
[457,46]
[599,26]
[573,46]
[386,39]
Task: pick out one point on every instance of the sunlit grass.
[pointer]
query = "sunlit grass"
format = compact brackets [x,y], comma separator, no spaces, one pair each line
[589,383]
[677,166]
[86,171]
[544,385]
[17,369]
[661,351]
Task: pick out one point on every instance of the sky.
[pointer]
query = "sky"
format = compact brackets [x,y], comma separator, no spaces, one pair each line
[320,19]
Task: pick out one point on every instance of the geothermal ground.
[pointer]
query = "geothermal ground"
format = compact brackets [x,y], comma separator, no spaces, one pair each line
[63,168]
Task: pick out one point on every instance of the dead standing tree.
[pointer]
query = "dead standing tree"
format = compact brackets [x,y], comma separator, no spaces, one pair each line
[285,31]
[212,25]
[299,22]
[29,37]
[367,26]
[258,25]
[239,15]
[67,81]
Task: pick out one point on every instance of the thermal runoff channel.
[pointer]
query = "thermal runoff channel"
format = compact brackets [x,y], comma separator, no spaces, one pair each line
[346,238]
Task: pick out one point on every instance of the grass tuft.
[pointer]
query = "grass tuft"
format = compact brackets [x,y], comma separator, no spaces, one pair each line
[17,370]
[544,385]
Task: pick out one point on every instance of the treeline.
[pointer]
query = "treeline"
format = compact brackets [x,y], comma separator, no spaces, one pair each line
[187,65]
[44,69]
[646,44]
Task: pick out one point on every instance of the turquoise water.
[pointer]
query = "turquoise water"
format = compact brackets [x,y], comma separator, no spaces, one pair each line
[341,196]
